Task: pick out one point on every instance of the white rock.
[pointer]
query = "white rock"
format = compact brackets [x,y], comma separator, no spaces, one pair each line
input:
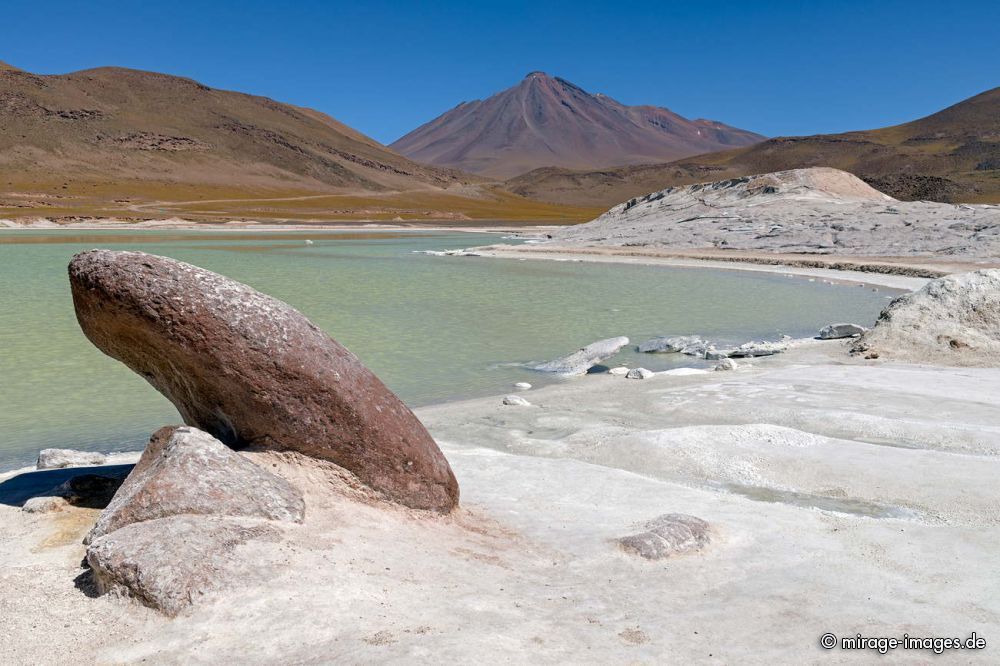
[669,344]
[45,504]
[639,373]
[59,458]
[516,400]
[726,364]
[524,386]
[954,320]
[835,331]
[620,371]
[582,360]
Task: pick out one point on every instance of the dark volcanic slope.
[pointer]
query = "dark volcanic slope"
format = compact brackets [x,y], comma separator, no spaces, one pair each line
[951,156]
[113,125]
[546,121]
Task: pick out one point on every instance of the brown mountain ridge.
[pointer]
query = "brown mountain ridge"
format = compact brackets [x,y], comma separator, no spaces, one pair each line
[546,121]
[949,156]
[135,143]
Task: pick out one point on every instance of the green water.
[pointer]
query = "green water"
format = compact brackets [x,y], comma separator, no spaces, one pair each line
[433,328]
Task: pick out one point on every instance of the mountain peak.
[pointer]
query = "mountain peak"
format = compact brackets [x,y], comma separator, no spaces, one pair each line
[547,121]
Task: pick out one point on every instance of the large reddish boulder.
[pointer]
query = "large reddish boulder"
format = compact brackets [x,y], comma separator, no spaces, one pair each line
[252,370]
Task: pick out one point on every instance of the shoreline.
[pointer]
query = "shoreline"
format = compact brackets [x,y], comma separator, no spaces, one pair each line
[903,280]
[176,224]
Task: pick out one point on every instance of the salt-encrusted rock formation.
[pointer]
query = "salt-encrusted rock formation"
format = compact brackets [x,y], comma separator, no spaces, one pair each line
[954,320]
[251,370]
[811,210]
[186,471]
[59,458]
[837,331]
[665,344]
[726,364]
[170,563]
[668,535]
[582,360]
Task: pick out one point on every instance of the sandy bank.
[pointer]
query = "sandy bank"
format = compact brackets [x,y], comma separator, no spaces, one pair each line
[893,272]
[846,496]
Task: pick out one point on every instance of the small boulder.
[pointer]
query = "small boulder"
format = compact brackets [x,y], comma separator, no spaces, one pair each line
[726,364]
[186,471]
[516,400]
[251,370]
[837,331]
[754,349]
[579,362]
[45,504]
[666,536]
[619,371]
[171,563]
[59,458]
[639,373]
[523,386]
[666,345]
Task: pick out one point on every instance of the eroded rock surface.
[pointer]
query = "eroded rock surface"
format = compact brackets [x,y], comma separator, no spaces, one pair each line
[666,345]
[582,360]
[186,471]
[954,320]
[251,370]
[667,536]
[836,331]
[171,563]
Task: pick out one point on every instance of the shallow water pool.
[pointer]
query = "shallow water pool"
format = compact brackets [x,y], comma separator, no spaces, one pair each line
[433,328]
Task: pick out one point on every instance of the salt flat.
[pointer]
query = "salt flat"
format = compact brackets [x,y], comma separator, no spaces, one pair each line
[844,496]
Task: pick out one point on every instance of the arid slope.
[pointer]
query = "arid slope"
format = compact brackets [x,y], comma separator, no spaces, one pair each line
[950,156]
[114,141]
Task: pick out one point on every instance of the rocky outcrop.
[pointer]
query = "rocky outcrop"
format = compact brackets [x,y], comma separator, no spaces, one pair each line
[837,331]
[816,210]
[582,360]
[59,458]
[251,370]
[666,536]
[747,350]
[666,345]
[954,320]
[171,563]
[186,471]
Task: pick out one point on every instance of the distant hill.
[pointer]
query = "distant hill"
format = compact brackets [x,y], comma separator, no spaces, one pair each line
[950,156]
[120,141]
[547,121]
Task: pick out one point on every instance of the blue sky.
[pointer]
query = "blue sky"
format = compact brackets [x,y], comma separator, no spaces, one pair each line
[386,67]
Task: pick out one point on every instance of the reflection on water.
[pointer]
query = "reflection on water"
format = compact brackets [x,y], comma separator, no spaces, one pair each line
[433,328]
